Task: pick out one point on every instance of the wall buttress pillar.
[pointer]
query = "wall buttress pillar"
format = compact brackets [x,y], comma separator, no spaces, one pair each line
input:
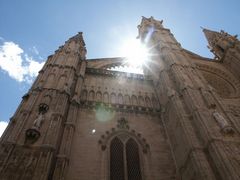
[192,152]
[62,162]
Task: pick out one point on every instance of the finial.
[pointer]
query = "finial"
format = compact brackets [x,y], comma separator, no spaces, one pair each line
[78,37]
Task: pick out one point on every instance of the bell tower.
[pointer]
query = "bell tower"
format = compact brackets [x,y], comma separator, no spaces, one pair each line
[198,128]
[226,49]
[40,131]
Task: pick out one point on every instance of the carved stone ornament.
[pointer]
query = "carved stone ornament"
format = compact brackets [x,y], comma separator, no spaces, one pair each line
[123,132]
[122,124]
[209,100]
[43,108]
[38,121]
[66,89]
[75,99]
[32,135]
[25,96]
[226,128]
[39,86]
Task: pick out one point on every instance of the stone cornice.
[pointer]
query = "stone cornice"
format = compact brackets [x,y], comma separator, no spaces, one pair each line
[60,66]
[117,74]
[59,91]
[120,108]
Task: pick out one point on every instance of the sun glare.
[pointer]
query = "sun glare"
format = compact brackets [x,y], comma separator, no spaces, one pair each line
[136,53]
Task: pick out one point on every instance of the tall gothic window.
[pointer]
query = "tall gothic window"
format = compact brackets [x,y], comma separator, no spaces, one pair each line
[124,160]
[117,160]
[133,163]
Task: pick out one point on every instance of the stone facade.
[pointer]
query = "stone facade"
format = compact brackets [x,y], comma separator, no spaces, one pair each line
[80,120]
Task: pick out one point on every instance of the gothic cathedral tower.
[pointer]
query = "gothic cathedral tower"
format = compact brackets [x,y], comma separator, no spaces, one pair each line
[82,120]
[40,131]
[204,142]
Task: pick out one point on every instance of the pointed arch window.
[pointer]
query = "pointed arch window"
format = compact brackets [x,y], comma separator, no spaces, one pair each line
[133,162]
[124,159]
[116,160]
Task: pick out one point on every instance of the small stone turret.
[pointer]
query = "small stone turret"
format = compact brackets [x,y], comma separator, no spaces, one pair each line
[226,49]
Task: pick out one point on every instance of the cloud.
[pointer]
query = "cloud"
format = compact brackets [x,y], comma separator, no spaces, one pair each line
[18,65]
[3,126]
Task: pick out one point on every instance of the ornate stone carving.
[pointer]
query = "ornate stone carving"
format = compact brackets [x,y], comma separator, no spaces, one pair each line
[223,83]
[32,134]
[122,124]
[124,132]
[226,128]
[38,121]
[208,98]
[66,89]
[75,99]
[235,110]
[43,108]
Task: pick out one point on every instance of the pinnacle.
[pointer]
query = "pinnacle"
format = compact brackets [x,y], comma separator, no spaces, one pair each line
[211,36]
[78,38]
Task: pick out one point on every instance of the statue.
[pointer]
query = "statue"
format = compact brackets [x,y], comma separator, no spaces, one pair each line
[32,134]
[224,125]
[66,89]
[38,121]
[209,100]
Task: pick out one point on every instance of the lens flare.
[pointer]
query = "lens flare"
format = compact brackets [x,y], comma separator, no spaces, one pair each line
[93,131]
[103,113]
[135,52]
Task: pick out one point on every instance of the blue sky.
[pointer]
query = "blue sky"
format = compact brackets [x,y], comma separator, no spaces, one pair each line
[32,30]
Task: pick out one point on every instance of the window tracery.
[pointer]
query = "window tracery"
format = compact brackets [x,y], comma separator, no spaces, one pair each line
[124,146]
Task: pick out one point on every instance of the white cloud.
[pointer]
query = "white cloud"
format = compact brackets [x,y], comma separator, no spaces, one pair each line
[19,67]
[3,126]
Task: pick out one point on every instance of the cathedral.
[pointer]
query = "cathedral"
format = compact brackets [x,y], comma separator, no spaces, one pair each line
[82,120]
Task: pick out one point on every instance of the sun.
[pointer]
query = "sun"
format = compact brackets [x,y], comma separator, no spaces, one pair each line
[135,53]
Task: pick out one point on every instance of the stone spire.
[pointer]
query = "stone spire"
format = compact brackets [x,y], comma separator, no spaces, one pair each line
[46,116]
[211,36]
[75,45]
[78,38]
[147,27]
[219,42]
